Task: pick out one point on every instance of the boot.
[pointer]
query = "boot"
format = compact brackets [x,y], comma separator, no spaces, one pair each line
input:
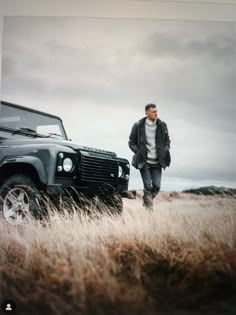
[148,202]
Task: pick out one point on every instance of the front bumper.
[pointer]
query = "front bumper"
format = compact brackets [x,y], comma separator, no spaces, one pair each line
[75,191]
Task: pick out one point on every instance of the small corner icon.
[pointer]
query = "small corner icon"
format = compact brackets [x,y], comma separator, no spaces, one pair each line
[8,306]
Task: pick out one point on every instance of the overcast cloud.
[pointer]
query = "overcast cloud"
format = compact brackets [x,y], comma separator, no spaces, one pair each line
[98,74]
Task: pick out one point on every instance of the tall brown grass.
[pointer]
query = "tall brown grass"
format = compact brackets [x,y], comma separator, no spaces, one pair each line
[179,259]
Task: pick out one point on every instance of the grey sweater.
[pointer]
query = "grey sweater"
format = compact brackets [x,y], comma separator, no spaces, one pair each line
[150,130]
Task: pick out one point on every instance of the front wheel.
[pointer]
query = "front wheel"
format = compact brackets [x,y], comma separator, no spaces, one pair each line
[113,202]
[20,200]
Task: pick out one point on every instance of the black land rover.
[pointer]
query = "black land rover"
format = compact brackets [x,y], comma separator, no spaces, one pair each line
[36,157]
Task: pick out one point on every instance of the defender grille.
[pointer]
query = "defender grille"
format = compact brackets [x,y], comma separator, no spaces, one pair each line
[94,169]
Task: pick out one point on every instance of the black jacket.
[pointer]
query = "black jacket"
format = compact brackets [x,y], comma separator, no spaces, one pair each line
[137,143]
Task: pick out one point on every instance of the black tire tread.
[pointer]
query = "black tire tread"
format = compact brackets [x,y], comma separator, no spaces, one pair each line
[30,185]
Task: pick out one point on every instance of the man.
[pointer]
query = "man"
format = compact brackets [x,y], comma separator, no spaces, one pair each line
[149,140]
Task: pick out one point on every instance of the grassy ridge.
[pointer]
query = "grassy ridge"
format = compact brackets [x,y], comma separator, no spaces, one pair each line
[180,258]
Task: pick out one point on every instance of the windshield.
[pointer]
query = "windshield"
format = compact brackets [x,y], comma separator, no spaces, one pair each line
[16,118]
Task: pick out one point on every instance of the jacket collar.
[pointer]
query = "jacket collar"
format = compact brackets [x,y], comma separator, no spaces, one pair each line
[142,120]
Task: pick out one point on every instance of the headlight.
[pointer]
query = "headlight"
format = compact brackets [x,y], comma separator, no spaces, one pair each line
[120,171]
[127,165]
[67,165]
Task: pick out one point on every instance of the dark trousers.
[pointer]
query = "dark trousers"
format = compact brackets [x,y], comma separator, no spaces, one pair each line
[151,176]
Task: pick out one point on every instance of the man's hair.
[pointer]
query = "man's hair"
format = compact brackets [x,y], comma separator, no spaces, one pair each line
[148,106]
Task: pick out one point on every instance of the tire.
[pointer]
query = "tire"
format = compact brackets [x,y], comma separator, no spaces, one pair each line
[20,200]
[113,202]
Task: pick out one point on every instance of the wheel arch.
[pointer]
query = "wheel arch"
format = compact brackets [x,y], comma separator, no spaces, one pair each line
[9,169]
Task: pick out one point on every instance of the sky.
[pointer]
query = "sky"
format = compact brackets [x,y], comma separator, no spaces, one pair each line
[97,74]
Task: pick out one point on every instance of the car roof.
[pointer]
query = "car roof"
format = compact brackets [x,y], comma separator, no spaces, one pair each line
[29,109]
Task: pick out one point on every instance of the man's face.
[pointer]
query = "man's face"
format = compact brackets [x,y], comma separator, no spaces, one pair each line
[152,113]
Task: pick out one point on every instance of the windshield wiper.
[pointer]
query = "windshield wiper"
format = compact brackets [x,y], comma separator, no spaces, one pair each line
[14,131]
[24,129]
[28,131]
[54,134]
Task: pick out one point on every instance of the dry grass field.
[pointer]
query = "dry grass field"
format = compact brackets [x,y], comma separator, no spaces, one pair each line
[179,259]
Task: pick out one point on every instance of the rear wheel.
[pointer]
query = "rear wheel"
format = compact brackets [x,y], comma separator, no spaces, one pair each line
[20,200]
